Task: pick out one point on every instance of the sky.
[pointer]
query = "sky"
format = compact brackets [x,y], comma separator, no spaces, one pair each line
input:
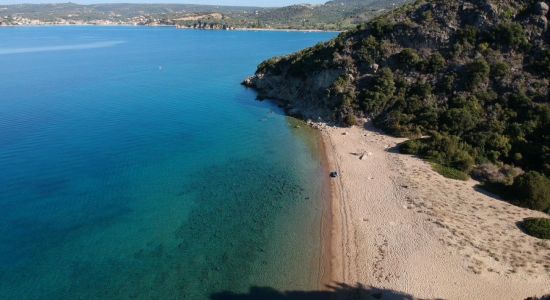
[270,3]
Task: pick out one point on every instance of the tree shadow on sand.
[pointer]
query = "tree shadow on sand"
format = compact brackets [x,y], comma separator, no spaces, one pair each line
[333,292]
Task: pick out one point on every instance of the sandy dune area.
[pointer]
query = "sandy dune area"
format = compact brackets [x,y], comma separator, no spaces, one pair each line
[398,225]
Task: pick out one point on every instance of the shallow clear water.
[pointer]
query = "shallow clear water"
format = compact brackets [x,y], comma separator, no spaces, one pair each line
[134,165]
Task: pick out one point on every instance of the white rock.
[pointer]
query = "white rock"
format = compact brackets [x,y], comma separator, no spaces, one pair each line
[542,8]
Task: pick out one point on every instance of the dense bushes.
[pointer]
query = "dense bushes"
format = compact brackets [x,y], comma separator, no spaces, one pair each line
[270,65]
[436,63]
[510,34]
[537,227]
[459,120]
[370,50]
[472,114]
[350,120]
[477,73]
[442,149]
[380,27]
[467,35]
[500,69]
[378,97]
[533,191]
[409,59]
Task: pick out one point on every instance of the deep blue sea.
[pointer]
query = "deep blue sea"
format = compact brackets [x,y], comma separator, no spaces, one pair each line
[133,165]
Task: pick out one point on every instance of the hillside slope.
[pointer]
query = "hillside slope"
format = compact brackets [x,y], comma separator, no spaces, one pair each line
[472,75]
[334,15]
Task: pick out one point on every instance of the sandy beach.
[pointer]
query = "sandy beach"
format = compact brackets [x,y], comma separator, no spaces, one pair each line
[397,225]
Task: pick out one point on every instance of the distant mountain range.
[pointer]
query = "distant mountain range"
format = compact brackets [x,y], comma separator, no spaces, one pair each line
[333,15]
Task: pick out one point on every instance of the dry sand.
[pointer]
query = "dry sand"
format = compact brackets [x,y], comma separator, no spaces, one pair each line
[398,225]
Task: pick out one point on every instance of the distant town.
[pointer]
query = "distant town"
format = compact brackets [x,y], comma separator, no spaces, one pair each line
[136,21]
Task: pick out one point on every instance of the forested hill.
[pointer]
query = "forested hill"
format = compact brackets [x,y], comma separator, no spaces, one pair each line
[334,15]
[471,75]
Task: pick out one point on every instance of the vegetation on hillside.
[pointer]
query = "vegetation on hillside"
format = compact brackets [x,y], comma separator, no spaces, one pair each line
[449,172]
[468,81]
[334,15]
[537,227]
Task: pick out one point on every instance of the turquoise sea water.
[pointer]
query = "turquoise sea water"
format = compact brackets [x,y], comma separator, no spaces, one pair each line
[134,165]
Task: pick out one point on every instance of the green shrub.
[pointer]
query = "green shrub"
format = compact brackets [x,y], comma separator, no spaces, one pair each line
[459,120]
[500,69]
[380,27]
[461,160]
[447,83]
[450,151]
[345,110]
[342,85]
[371,50]
[350,120]
[510,34]
[413,147]
[537,227]
[442,149]
[421,148]
[532,190]
[484,48]
[378,97]
[450,172]
[477,73]
[397,123]
[408,58]
[468,35]
[427,16]
[436,62]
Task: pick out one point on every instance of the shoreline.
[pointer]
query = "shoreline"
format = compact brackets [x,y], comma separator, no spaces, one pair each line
[174,26]
[333,248]
[401,228]
[285,30]
[326,223]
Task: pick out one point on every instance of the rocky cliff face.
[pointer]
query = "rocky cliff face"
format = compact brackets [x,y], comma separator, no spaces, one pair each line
[476,72]
[305,97]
